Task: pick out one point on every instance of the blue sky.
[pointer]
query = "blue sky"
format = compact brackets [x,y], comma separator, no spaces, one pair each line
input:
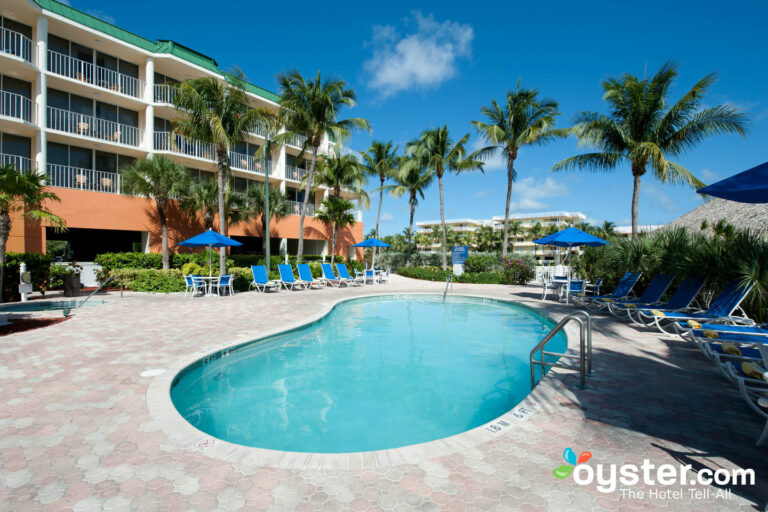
[420,65]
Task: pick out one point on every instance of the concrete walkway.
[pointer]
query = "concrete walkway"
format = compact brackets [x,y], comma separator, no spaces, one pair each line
[76,432]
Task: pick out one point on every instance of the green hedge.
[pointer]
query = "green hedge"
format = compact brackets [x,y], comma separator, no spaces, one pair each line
[511,274]
[116,260]
[38,264]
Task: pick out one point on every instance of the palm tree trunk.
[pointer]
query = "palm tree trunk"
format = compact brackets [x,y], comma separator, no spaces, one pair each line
[222,213]
[333,244]
[5,231]
[442,223]
[637,172]
[510,179]
[300,250]
[378,220]
[163,232]
[410,230]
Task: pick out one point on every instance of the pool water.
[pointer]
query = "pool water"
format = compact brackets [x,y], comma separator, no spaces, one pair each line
[46,305]
[375,373]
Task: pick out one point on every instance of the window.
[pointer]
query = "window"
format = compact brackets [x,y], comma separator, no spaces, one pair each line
[15,145]
[58,44]
[129,69]
[125,161]
[80,157]
[81,52]
[106,112]
[106,61]
[128,117]
[106,162]
[58,99]
[58,154]
[162,125]
[240,184]
[80,105]
[22,29]
[17,86]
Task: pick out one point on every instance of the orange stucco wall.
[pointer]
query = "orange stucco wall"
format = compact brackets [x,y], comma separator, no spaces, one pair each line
[95,210]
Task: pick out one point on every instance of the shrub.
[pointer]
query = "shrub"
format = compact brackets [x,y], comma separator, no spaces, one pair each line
[56,276]
[39,265]
[517,271]
[482,263]
[159,281]
[426,273]
[193,269]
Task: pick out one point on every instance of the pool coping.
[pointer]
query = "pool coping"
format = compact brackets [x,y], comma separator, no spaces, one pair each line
[180,431]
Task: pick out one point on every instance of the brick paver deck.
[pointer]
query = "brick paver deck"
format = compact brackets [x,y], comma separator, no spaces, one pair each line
[76,432]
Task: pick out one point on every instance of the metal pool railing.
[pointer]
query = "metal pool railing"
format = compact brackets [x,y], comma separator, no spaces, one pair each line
[585,348]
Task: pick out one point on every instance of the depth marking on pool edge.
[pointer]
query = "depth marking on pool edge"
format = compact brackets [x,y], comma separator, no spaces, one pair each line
[520,413]
[205,443]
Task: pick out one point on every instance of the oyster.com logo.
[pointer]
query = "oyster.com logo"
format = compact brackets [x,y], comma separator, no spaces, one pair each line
[570,457]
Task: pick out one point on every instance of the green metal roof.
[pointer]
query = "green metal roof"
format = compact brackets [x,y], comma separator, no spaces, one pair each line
[162,46]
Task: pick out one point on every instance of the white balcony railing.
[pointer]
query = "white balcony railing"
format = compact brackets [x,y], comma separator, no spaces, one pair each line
[64,176]
[297,207]
[15,105]
[249,163]
[166,94]
[20,162]
[88,126]
[95,75]
[16,44]
[184,146]
[298,141]
[295,173]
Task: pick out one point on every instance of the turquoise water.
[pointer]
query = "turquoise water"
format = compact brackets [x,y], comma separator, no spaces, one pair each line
[47,305]
[375,373]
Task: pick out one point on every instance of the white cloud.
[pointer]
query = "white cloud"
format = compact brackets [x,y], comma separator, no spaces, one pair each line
[497,162]
[531,192]
[480,194]
[708,175]
[101,15]
[662,200]
[387,217]
[420,59]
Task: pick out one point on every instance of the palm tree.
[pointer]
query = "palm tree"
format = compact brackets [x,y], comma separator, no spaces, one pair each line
[334,213]
[535,233]
[515,228]
[643,130]
[218,113]
[310,109]
[23,193]
[161,179]
[342,172]
[411,179]
[525,120]
[435,150]
[486,239]
[380,161]
[279,206]
[608,229]
[202,196]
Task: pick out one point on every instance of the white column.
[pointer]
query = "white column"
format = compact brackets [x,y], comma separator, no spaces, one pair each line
[359,210]
[283,246]
[41,93]
[149,111]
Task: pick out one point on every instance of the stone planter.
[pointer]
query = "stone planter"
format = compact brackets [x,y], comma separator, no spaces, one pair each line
[72,286]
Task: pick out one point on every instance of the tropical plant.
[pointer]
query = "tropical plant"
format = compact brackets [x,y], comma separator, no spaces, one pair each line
[643,130]
[23,193]
[256,202]
[486,238]
[339,171]
[435,150]
[514,230]
[218,113]
[524,120]
[411,179]
[310,109]
[335,213]
[160,179]
[201,196]
[608,229]
[380,162]
[535,232]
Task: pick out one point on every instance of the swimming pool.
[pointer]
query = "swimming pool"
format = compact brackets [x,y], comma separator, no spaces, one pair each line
[375,373]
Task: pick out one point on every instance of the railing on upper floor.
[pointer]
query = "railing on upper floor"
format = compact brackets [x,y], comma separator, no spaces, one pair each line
[249,163]
[295,173]
[297,207]
[90,73]
[183,146]
[16,105]
[64,176]
[21,163]
[16,44]
[165,93]
[89,126]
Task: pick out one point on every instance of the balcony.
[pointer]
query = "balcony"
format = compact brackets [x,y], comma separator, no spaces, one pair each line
[248,163]
[16,106]
[90,73]
[184,146]
[16,44]
[297,207]
[295,173]
[88,126]
[165,94]
[20,162]
[298,141]
[63,176]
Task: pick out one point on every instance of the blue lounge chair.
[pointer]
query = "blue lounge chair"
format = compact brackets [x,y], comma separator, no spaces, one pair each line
[330,278]
[305,274]
[751,378]
[651,295]
[341,268]
[620,293]
[679,301]
[261,281]
[287,279]
[710,337]
[719,311]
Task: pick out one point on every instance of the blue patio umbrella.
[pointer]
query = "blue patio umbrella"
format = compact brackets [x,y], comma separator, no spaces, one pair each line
[372,242]
[571,237]
[209,239]
[750,186]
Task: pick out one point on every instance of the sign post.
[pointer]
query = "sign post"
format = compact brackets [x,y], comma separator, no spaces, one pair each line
[25,281]
[459,253]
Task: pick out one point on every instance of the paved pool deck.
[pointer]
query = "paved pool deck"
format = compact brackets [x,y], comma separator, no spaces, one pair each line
[80,427]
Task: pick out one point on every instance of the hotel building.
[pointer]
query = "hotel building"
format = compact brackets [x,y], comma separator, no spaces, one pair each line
[82,98]
[523,243]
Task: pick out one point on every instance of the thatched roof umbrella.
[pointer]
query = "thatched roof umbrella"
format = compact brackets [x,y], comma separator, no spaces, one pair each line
[741,215]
